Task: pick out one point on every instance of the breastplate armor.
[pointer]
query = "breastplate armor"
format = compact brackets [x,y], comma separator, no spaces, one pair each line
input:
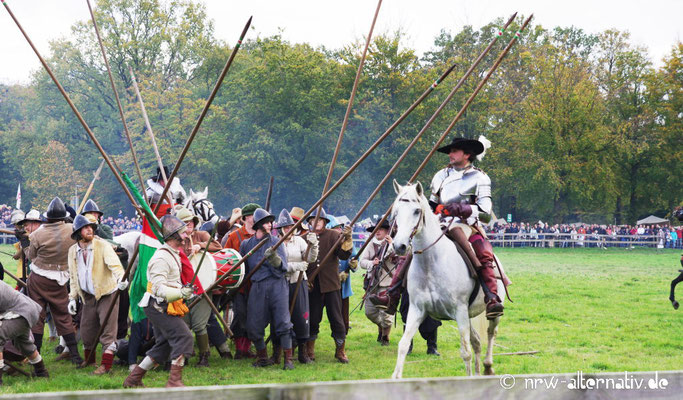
[469,185]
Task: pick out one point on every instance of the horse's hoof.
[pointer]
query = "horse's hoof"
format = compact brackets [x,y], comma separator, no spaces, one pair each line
[675,304]
[488,371]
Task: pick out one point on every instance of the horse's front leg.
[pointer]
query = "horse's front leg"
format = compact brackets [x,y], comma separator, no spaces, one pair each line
[415,318]
[462,317]
[672,295]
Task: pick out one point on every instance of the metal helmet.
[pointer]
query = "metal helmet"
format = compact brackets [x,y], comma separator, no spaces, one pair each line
[56,209]
[262,216]
[323,215]
[285,219]
[91,207]
[16,217]
[171,224]
[80,222]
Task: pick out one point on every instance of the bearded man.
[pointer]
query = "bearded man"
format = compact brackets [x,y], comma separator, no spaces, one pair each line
[95,274]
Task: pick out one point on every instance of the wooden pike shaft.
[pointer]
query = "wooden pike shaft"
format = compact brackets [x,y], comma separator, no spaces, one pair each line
[118,101]
[151,132]
[348,110]
[226,326]
[72,105]
[92,184]
[204,111]
[417,137]
[340,137]
[11,275]
[452,124]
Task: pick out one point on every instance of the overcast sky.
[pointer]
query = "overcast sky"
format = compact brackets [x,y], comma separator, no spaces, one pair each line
[655,24]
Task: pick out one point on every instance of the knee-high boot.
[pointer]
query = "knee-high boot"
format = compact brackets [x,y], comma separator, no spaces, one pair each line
[484,253]
[390,297]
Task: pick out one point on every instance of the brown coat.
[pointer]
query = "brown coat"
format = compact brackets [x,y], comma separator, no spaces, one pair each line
[329,274]
[50,245]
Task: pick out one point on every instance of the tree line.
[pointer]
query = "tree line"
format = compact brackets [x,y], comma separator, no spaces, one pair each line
[583,126]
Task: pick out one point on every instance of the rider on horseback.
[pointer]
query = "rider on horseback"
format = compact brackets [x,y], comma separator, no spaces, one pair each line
[462,193]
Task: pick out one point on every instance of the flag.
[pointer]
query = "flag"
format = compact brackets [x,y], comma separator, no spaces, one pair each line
[19,197]
[148,245]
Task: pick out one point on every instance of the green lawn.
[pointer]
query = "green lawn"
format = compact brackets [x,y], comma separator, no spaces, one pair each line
[586,309]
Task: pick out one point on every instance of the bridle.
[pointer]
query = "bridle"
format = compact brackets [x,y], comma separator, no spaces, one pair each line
[417,227]
[205,209]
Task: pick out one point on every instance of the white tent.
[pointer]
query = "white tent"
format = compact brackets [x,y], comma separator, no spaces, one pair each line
[343,219]
[652,220]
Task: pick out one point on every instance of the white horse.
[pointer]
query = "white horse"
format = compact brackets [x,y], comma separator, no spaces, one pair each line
[129,241]
[439,284]
[198,203]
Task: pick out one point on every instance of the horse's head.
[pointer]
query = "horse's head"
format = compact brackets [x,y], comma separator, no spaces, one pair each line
[201,206]
[409,212]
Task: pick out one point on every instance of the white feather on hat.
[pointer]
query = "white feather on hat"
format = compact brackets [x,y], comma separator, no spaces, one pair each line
[487,145]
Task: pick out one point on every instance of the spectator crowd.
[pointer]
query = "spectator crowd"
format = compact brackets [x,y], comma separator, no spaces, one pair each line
[539,234]
[526,233]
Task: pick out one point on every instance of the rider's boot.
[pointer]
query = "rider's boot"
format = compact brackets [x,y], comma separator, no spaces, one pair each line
[484,252]
[389,298]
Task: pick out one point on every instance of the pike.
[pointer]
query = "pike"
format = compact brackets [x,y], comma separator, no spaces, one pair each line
[71,105]
[204,111]
[116,95]
[151,133]
[338,146]
[419,135]
[11,275]
[455,120]
[92,183]
[270,194]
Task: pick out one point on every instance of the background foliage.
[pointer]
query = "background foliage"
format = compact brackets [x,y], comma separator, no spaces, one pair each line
[583,126]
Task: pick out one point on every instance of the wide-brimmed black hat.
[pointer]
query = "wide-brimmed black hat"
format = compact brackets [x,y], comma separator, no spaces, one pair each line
[385,225]
[470,146]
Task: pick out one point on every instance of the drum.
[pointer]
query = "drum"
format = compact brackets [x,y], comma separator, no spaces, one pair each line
[225,259]
[207,274]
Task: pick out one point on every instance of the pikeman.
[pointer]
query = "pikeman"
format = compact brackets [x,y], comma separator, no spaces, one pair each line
[297,213]
[269,295]
[95,274]
[17,314]
[239,302]
[92,212]
[164,307]
[198,317]
[379,260]
[23,228]
[300,253]
[463,192]
[325,289]
[48,252]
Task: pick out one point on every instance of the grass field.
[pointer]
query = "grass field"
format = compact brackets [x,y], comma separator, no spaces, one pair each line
[586,309]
